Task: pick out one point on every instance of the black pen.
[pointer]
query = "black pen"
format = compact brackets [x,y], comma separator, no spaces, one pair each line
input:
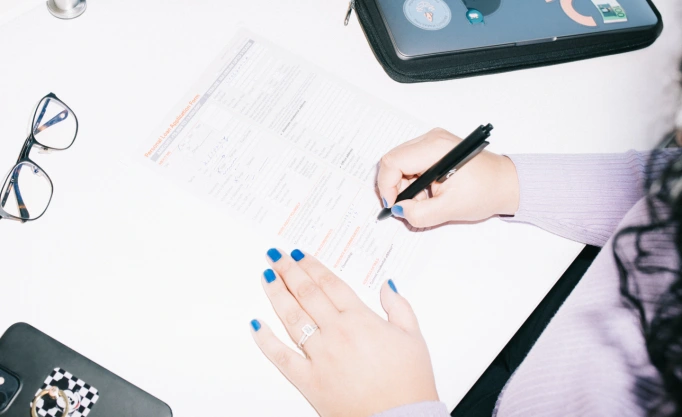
[443,169]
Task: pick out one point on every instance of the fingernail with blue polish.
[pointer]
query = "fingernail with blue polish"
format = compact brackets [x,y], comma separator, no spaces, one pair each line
[269,275]
[274,255]
[392,285]
[256,325]
[397,211]
[385,202]
[297,255]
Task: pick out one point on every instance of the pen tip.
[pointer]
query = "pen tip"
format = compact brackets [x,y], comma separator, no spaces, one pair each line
[384,214]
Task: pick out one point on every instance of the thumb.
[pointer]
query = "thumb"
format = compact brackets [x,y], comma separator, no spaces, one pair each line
[398,309]
[422,213]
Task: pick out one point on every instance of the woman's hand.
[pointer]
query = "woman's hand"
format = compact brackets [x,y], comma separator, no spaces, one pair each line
[486,186]
[357,364]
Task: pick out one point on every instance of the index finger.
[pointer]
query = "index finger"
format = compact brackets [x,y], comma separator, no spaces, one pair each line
[409,159]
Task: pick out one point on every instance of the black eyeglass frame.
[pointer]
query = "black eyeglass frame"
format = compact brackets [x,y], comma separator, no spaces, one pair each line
[24,158]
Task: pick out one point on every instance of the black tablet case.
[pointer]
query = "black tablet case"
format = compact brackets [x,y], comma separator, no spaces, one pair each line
[480,62]
[32,355]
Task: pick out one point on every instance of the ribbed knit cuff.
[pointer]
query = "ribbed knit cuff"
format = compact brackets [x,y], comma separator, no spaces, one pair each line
[423,409]
[581,197]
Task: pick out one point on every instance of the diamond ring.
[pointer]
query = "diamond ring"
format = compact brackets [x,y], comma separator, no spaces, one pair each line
[308,331]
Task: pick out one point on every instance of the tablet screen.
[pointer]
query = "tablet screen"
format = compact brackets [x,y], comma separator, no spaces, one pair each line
[425,27]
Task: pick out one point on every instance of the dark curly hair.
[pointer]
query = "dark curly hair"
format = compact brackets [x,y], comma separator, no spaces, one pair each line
[661,317]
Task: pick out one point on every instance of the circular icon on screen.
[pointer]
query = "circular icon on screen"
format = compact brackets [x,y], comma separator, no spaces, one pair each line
[474,16]
[427,14]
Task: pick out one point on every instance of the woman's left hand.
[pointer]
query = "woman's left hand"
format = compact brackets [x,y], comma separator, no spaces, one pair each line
[357,364]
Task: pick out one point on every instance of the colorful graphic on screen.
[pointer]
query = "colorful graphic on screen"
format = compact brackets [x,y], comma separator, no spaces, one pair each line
[475,16]
[567,7]
[427,14]
[611,12]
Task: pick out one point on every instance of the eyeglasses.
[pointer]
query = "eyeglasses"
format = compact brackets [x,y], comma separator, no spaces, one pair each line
[27,191]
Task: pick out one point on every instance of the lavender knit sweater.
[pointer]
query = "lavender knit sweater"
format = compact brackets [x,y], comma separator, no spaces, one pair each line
[592,353]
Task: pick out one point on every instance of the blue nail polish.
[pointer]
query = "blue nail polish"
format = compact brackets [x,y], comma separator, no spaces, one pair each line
[385,202]
[274,255]
[256,325]
[397,211]
[297,255]
[392,285]
[269,275]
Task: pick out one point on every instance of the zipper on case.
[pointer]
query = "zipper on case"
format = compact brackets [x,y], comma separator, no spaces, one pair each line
[351,6]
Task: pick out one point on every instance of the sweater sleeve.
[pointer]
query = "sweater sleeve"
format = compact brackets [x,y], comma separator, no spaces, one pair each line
[423,409]
[583,197]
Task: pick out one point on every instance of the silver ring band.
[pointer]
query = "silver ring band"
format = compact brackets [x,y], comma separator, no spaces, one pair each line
[308,331]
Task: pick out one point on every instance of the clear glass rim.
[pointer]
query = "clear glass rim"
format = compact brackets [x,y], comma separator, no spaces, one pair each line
[51,96]
[4,212]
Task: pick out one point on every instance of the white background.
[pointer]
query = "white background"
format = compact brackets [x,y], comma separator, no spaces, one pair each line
[130,271]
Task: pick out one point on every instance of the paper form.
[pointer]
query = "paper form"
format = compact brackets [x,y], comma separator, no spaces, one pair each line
[294,151]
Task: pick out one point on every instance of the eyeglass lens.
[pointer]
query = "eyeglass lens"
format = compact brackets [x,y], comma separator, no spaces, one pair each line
[26,192]
[54,125]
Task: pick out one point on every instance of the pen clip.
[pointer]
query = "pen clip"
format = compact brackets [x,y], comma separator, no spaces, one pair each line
[451,171]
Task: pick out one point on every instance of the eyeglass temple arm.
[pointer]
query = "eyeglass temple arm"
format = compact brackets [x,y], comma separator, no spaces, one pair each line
[62,115]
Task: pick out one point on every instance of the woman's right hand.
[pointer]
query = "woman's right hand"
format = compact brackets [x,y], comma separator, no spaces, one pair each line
[485,186]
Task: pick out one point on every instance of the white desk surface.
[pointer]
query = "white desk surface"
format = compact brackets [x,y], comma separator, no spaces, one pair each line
[131,272]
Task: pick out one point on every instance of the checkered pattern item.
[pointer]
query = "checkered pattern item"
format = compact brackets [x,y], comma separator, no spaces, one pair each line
[82,396]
